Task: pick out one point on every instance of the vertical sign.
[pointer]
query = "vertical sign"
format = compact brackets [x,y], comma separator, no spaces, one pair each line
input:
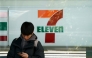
[3,25]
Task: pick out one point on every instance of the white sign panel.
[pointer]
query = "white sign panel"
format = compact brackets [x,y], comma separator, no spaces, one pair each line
[61,26]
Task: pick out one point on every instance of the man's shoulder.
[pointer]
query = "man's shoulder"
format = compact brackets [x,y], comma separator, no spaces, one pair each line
[15,40]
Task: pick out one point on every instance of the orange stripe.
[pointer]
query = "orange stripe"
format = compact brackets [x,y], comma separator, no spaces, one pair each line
[46,13]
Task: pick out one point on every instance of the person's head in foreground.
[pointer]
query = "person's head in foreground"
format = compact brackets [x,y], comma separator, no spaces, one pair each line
[27,30]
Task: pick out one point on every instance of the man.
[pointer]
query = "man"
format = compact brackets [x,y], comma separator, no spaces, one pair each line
[27,45]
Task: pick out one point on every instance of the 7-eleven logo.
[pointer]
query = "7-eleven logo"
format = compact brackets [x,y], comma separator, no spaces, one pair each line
[54,16]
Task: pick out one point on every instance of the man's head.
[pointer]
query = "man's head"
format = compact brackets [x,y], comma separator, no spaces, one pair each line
[27,29]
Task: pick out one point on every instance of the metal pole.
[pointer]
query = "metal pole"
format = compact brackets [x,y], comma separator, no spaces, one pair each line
[8,26]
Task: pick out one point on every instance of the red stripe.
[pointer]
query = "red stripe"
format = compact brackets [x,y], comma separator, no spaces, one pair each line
[3,38]
[50,38]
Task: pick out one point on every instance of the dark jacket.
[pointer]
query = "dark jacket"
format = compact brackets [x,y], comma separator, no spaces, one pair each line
[30,49]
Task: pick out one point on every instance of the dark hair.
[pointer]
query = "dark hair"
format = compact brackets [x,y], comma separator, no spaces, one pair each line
[27,28]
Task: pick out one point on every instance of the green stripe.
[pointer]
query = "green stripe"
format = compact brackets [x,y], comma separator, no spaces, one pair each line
[3,26]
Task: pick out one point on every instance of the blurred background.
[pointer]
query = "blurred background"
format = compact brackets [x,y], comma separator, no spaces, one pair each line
[64,27]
